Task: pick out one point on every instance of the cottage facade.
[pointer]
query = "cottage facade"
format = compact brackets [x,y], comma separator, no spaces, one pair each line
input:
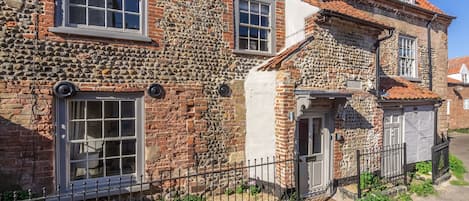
[156,86]
[458,102]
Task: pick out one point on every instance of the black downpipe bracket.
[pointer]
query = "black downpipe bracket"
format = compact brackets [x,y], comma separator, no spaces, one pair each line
[378,60]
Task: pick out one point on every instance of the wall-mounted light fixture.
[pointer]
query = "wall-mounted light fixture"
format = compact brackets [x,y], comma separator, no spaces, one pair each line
[156,91]
[64,89]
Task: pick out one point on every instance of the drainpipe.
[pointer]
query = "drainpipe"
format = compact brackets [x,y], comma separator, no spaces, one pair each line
[429,40]
[378,60]
[430,73]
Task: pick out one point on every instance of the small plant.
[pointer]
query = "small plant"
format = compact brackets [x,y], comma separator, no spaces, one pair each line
[457,167]
[240,189]
[293,197]
[404,197]
[254,190]
[229,191]
[370,181]
[375,196]
[459,182]
[9,195]
[424,168]
[422,188]
[460,130]
[190,198]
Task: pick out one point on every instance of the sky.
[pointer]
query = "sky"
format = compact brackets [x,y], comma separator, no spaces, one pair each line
[458,37]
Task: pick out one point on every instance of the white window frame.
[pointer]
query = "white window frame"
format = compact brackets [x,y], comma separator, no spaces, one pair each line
[408,1]
[63,144]
[448,108]
[407,43]
[271,39]
[464,78]
[64,26]
[466,104]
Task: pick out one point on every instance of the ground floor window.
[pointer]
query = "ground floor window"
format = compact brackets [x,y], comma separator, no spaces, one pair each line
[466,104]
[103,137]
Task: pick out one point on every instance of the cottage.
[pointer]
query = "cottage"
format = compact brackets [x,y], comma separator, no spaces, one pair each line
[96,91]
[458,102]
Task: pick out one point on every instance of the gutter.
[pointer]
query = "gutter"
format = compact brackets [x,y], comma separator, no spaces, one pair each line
[378,60]
[354,19]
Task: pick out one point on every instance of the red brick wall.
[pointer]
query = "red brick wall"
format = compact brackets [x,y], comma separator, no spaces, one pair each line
[26,136]
[458,117]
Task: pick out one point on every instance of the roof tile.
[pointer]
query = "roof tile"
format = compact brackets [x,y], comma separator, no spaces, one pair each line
[456,64]
[397,88]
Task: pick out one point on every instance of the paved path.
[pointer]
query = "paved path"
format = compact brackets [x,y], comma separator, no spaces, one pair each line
[446,192]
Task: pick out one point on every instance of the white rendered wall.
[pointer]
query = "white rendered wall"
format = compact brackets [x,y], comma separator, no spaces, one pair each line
[295,13]
[260,88]
[458,76]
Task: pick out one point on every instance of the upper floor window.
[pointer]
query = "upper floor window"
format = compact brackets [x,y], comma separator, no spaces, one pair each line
[409,1]
[464,78]
[254,25]
[466,104]
[407,57]
[123,15]
[120,19]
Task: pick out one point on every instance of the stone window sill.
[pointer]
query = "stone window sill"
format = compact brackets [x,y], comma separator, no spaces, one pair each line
[256,53]
[100,33]
[413,79]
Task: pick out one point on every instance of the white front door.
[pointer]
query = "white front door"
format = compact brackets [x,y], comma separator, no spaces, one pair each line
[392,159]
[313,149]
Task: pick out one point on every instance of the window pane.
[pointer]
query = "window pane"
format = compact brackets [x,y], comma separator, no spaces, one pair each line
[243,5]
[111,129]
[96,3]
[243,31]
[77,15]
[132,21]
[254,33]
[263,34]
[254,19]
[128,109]
[128,147]
[128,128]
[77,131]
[78,171]
[114,19]
[112,167]
[94,129]
[114,4]
[95,168]
[303,137]
[77,151]
[82,2]
[128,165]
[243,44]
[77,110]
[132,5]
[264,21]
[265,10]
[112,148]
[95,150]
[96,17]
[94,110]
[264,46]
[317,135]
[253,45]
[244,18]
[111,109]
[254,7]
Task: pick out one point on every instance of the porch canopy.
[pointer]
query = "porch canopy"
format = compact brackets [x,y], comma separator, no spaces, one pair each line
[305,97]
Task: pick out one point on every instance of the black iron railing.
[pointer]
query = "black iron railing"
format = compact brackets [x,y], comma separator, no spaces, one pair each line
[381,168]
[265,179]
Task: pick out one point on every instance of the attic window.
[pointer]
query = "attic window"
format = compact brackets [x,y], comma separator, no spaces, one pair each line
[408,1]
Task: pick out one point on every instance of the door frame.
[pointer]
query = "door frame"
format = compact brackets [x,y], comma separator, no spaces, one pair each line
[328,165]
